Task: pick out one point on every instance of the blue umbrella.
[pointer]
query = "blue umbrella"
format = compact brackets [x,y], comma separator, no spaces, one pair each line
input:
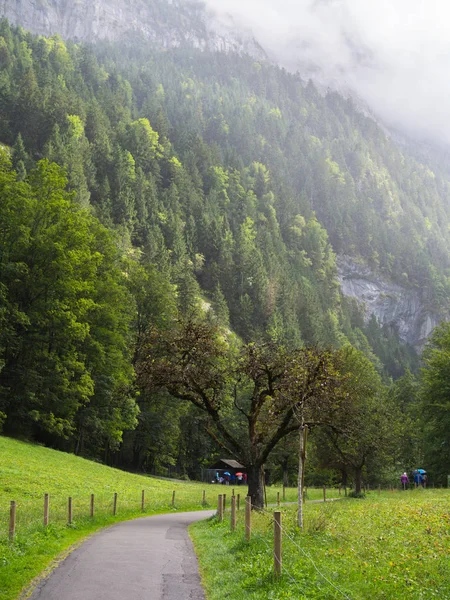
[226,473]
[421,471]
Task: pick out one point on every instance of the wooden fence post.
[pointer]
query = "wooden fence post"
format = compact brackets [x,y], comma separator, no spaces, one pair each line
[46,504]
[92,505]
[115,504]
[220,508]
[233,513]
[284,493]
[173,498]
[248,518]
[12,520]
[278,498]
[143,500]
[69,510]
[224,499]
[277,543]
[204,498]
[238,502]
[324,494]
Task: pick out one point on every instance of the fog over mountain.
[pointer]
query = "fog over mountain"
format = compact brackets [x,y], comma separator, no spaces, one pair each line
[395,55]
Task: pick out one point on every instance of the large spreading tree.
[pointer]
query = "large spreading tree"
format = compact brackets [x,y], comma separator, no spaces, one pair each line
[252,395]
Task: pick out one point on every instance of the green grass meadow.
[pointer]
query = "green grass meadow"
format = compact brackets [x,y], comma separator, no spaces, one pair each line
[386,546]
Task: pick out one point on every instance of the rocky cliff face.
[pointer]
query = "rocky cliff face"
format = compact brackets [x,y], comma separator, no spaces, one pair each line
[164,22]
[401,308]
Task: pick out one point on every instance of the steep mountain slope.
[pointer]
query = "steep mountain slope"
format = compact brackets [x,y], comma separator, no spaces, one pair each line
[383,272]
[194,180]
[246,172]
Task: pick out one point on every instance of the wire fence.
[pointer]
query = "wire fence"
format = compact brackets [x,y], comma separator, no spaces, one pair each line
[29,513]
[131,502]
[289,536]
[263,533]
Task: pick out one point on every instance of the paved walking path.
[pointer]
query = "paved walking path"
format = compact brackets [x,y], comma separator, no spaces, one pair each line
[145,559]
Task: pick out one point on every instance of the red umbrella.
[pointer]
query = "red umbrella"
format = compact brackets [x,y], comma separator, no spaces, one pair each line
[239,474]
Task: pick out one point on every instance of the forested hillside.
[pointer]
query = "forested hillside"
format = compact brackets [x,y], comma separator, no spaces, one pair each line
[194,180]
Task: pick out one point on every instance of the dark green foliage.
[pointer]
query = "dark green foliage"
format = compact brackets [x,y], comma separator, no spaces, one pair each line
[65,309]
[435,382]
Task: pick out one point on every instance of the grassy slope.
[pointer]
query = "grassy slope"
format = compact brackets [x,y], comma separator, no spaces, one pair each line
[387,546]
[28,471]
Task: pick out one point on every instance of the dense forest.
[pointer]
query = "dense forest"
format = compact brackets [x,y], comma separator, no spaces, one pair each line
[140,187]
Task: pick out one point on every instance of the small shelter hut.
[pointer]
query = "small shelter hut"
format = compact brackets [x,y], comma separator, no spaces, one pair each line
[222,466]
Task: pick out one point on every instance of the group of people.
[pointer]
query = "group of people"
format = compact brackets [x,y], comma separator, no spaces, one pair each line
[419,478]
[233,478]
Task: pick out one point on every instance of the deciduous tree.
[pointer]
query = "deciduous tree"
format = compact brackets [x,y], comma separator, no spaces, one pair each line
[252,395]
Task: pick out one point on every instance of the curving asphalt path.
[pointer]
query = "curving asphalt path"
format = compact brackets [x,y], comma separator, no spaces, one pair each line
[145,559]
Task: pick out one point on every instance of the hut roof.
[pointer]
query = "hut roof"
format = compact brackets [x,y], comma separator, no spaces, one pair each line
[232,464]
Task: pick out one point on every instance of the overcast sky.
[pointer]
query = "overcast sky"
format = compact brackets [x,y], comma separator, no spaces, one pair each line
[394,53]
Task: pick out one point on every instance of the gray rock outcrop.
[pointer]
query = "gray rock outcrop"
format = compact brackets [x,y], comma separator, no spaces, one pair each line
[398,307]
[164,23]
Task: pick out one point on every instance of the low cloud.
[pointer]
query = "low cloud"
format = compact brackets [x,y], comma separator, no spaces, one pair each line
[394,53]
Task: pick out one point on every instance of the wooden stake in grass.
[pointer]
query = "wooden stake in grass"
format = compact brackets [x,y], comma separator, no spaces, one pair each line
[248,518]
[220,508]
[46,505]
[233,513]
[69,511]
[115,504]
[278,498]
[284,493]
[238,501]
[224,498]
[324,494]
[143,501]
[173,498]
[92,505]
[12,520]
[204,498]
[277,558]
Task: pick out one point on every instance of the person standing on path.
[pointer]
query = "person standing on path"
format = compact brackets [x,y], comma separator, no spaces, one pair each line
[145,559]
[404,480]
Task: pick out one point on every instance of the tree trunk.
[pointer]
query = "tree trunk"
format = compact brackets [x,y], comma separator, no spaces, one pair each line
[284,465]
[255,479]
[301,472]
[358,473]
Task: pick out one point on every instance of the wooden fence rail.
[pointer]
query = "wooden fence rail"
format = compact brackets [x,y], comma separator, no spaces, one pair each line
[15,510]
